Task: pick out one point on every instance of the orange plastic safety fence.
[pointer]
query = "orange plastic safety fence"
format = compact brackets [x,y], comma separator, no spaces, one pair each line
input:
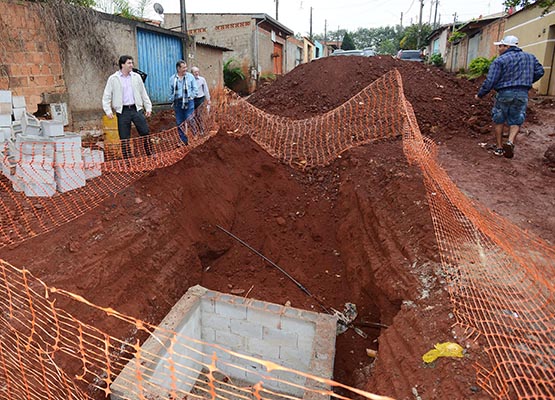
[37,337]
[500,277]
[48,181]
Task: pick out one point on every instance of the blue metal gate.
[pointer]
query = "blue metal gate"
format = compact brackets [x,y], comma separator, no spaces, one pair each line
[158,54]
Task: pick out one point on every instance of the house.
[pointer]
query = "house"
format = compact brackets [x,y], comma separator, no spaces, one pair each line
[536,32]
[54,69]
[258,42]
[308,49]
[295,51]
[476,40]
[209,59]
[438,40]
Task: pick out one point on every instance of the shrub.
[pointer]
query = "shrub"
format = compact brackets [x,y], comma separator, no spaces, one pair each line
[232,74]
[456,36]
[437,60]
[479,66]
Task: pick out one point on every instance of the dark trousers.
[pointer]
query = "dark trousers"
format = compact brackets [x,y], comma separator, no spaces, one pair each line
[198,102]
[130,114]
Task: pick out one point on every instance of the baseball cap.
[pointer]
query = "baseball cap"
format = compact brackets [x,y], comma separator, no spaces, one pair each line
[508,41]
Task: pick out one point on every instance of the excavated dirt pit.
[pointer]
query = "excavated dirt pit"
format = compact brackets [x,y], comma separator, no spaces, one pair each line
[358,230]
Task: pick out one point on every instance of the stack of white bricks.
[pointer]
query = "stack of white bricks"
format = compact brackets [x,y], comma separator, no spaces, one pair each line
[34,173]
[70,174]
[92,163]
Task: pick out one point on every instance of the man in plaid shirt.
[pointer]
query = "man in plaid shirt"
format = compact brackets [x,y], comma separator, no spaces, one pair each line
[511,75]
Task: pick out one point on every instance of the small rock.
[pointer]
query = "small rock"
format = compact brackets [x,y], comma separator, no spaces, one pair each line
[237,291]
[549,155]
[280,221]
[138,200]
[287,303]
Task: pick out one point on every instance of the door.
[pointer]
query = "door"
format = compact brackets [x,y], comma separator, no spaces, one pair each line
[278,58]
[158,54]
[473,46]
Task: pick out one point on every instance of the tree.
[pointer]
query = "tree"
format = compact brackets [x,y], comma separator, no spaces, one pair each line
[411,34]
[546,4]
[348,43]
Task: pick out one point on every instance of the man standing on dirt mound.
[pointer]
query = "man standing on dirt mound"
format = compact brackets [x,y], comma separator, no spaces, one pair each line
[183,90]
[126,93]
[511,75]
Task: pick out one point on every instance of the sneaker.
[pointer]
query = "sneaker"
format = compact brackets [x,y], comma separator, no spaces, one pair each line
[498,152]
[509,150]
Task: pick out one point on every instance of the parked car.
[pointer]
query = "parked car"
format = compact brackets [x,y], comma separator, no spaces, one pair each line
[410,55]
[367,52]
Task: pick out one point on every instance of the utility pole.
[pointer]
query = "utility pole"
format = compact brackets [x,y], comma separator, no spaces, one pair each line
[454,21]
[436,23]
[326,37]
[184,29]
[277,5]
[420,24]
[310,35]
[401,23]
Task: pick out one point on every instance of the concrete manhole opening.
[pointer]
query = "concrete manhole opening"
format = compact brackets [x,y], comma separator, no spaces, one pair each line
[218,342]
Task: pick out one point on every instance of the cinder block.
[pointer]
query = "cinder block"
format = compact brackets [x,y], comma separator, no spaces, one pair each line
[230,310]
[52,128]
[208,334]
[40,190]
[67,180]
[6,120]
[18,113]
[35,174]
[18,102]
[293,357]
[246,328]
[278,337]
[215,321]
[263,318]
[301,328]
[5,96]
[5,134]
[229,340]
[262,349]
[5,108]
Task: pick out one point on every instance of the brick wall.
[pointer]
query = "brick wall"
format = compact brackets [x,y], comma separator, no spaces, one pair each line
[30,61]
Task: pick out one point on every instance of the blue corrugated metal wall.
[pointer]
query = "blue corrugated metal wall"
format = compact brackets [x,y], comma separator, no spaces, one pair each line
[158,54]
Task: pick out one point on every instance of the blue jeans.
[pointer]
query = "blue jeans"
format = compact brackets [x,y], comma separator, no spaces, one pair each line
[510,107]
[181,115]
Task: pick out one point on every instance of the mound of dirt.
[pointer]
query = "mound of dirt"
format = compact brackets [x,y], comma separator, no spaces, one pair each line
[441,101]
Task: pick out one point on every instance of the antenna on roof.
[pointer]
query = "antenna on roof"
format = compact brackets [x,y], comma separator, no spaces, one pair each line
[158,8]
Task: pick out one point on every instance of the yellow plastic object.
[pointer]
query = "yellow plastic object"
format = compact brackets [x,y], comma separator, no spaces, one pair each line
[112,145]
[447,349]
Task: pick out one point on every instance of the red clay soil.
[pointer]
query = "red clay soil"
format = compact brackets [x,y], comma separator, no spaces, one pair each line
[356,231]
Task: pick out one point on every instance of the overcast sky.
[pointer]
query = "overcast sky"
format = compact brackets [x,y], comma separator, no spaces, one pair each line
[343,14]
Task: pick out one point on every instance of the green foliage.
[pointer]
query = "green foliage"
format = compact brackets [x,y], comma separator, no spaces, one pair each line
[456,36]
[437,60]
[268,77]
[479,66]
[348,43]
[412,34]
[545,4]
[232,73]
[385,40]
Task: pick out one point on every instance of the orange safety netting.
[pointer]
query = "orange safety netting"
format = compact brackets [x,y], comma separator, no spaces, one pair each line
[500,277]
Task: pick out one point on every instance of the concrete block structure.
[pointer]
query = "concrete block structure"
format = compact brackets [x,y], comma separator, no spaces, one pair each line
[238,337]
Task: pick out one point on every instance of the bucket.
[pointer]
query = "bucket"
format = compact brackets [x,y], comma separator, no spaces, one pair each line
[112,146]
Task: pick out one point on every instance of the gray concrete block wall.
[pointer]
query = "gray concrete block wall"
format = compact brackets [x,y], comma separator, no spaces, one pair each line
[185,358]
[245,339]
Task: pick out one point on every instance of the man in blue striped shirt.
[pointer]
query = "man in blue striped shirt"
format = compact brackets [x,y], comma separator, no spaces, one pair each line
[511,75]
